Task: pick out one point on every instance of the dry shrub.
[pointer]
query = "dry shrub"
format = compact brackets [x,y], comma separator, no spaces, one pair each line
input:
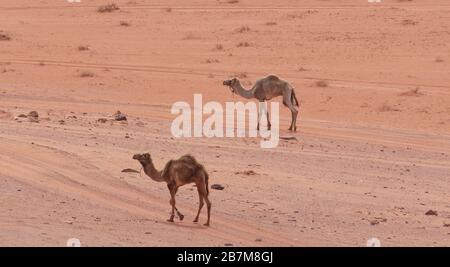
[386,108]
[219,46]
[233,1]
[413,92]
[125,24]
[322,83]
[243,44]
[107,8]
[243,29]
[212,61]
[83,48]
[407,22]
[191,36]
[439,60]
[86,74]
[4,36]
[271,23]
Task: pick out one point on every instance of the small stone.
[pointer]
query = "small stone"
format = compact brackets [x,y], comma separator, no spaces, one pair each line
[217,187]
[33,116]
[431,212]
[119,116]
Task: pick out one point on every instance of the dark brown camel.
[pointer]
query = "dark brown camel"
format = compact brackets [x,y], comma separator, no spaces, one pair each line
[176,173]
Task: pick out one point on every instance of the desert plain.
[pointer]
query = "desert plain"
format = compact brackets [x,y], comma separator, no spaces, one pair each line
[370,159]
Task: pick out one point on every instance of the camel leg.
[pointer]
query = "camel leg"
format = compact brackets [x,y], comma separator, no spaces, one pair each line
[294,113]
[181,216]
[208,205]
[288,103]
[260,112]
[202,193]
[200,199]
[172,201]
[259,118]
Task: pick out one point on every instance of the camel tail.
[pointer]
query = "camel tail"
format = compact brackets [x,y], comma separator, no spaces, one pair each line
[294,98]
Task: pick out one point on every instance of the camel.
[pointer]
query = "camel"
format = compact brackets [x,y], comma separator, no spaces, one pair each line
[266,89]
[176,173]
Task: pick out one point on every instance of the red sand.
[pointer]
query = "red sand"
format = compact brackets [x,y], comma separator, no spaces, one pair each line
[370,161]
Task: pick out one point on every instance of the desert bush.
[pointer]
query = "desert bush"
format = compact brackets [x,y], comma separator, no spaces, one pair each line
[4,36]
[86,74]
[243,44]
[412,92]
[322,83]
[243,29]
[125,24]
[107,8]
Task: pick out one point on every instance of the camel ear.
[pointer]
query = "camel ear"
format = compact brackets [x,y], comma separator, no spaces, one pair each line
[147,155]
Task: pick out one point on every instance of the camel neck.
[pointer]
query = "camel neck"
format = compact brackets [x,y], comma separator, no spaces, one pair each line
[242,91]
[152,172]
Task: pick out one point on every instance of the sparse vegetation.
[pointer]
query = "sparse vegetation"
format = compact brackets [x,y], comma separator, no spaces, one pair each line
[107,8]
[386,108]
[83,48]
[219,46]
[4,36]
[86,74]
[243,44]
[125,24]
[407,22]
[243,29]
[412,92]
[212,61]
[322,83]
[191,36]
[233,1]
[439,60]
[271,23]
[168,9]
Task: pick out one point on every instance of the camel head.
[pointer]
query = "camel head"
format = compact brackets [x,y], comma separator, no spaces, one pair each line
[231,83]
[143,158]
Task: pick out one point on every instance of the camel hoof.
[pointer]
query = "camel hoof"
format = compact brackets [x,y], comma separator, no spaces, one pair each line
[196,220]
[206,224]
[170,220]
[181,216]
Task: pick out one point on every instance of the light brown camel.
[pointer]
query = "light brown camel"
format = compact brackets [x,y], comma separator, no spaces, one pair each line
[176,173]
[266,89]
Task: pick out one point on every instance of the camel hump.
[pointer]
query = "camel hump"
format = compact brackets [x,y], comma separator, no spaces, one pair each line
[273,77]
[189,159]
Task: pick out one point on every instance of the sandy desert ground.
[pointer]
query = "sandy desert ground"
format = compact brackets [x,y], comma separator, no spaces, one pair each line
[372,155]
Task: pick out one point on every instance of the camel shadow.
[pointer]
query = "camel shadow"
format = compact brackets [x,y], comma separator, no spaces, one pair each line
[187,226]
